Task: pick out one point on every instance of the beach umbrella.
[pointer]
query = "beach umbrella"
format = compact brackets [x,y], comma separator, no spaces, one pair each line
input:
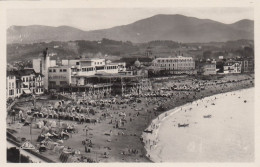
[48,134]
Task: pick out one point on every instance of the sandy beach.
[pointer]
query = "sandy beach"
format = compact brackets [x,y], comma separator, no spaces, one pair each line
[124,144]
[221,129]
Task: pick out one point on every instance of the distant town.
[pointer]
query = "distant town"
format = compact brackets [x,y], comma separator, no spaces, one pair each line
[94,74]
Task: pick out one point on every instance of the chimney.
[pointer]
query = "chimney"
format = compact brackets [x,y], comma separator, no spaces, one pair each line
[45,53]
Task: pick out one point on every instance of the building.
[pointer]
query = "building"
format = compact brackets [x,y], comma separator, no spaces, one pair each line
[208,68]
[39,83]
[32,82]
[59,76]
[85,69]
[24,81]
[27,77]
[77,72]
[132,59]
[176,65]
[13,85]
[247,66]
[232,67]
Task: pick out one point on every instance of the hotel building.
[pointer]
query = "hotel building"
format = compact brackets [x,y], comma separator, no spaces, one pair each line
[176,65]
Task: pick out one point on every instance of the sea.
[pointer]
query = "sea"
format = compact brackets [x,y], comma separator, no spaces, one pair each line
[220,128]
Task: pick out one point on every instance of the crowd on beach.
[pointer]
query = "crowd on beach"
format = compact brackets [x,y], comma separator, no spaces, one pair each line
[60,120]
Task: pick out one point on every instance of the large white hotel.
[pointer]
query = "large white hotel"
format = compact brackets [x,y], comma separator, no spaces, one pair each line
[176,65]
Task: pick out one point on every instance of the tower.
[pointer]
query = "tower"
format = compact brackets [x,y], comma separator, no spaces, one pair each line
[45,67]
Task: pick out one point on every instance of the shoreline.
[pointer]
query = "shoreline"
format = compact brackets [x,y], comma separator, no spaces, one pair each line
[155,124]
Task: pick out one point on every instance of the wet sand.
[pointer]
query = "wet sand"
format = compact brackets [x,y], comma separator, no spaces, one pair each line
[226,136]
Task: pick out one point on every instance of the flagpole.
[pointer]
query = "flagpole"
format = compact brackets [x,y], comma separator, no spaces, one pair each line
[31,131]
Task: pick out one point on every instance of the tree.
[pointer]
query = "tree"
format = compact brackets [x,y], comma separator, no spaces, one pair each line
[206,54]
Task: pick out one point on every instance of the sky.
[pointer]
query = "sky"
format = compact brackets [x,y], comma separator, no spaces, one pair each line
[101,18]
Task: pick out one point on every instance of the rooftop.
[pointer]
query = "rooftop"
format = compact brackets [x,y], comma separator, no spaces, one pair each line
[26,72]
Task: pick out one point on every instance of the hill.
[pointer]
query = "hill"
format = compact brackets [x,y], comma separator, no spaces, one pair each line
[110,49]
[159,27]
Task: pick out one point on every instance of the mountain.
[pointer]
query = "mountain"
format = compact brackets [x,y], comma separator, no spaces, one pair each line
[244,25]
[159,27]
[39,33]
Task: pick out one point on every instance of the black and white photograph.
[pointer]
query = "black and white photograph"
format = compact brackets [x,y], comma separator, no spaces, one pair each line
[130,84]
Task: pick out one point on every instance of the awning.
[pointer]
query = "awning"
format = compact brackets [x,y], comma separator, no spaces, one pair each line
[27,91]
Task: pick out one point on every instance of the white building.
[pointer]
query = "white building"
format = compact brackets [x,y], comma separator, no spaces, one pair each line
[23,82]
[13,88]
[59,76]
[39,83]
[232,67]
[71,72]
[176,65]
[32,82]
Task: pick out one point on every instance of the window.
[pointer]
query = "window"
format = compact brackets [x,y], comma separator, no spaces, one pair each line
[63,83]
[27,79]
[60,70]
[54,70]
[84,69]
[77,63]
[99,68]
[64,70]
[50,70]
[12,85]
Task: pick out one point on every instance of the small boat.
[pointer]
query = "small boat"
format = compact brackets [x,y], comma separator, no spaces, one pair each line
[207,116]
[183,125]
[148,131]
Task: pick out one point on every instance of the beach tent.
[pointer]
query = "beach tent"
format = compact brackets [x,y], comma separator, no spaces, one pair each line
[29,119]
[64,125]
[58,149]
[57,104]
[40,124]
[53,124]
